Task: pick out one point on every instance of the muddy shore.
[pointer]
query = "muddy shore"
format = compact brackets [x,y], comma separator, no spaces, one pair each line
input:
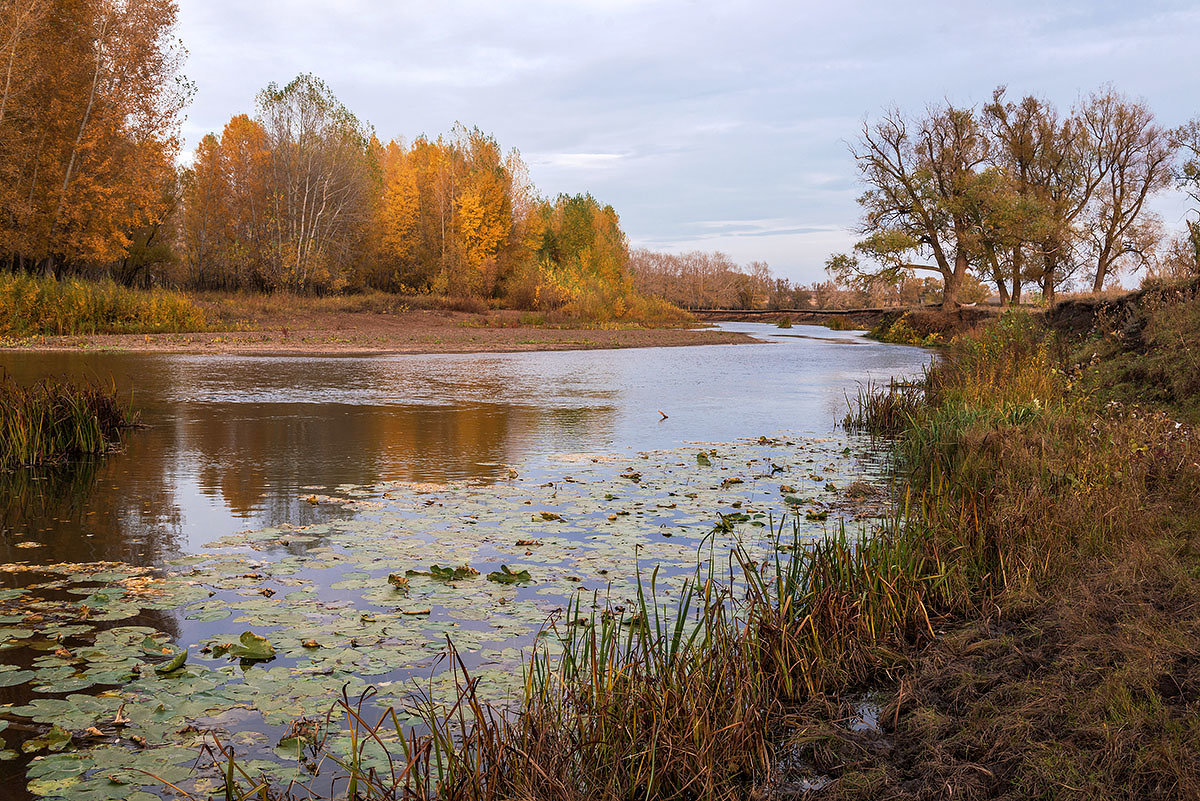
[353,333]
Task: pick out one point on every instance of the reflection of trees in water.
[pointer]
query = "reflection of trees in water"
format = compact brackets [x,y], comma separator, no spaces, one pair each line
[132,506]
[92,510]
[256,457]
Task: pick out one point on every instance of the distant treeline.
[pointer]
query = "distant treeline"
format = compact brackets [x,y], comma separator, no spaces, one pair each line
[698,280]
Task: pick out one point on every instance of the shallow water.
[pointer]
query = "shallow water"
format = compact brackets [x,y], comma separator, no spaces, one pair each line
[237,446]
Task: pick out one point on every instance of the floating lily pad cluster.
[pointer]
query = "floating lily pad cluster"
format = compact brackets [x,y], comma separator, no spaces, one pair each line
[266,628]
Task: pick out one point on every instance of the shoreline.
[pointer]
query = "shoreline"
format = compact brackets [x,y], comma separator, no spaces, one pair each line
[371,334]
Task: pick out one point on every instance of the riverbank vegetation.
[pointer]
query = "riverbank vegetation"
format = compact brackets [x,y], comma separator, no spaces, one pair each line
[31,305]
[52,421]
[1025,620]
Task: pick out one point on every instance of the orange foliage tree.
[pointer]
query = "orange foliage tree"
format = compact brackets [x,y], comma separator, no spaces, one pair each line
[90,103]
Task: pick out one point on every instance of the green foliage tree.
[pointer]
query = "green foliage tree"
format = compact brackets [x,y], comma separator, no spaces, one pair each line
[1186,139]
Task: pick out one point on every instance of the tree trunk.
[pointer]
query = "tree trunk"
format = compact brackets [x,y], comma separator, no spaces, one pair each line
[1048,282]
[953,282]
[1017,259]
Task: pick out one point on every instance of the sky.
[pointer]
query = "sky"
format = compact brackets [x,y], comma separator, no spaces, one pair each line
[710,126]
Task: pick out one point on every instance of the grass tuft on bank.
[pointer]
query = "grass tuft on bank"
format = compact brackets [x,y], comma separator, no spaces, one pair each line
[36,305]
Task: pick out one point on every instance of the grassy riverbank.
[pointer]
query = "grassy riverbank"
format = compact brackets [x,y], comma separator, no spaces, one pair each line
[45,314]
[30,306]
[52,421]
[1027,620]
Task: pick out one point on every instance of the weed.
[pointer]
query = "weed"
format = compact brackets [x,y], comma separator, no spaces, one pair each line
[52,421]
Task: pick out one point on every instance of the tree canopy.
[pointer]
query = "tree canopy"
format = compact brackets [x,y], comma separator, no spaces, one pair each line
[1015,193]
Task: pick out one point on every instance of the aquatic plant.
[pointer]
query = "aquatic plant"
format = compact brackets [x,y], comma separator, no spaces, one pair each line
[54,420]
[884,409]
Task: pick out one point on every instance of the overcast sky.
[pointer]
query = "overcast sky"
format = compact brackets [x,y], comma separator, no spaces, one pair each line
[707,125]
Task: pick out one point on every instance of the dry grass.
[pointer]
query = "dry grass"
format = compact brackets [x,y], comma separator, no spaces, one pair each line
[30,306]
[240,310]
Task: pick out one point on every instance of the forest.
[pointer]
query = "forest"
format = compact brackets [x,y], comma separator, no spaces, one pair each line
[1017,199]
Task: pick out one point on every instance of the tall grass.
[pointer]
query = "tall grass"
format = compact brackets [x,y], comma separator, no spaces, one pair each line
[662,701]
[52,421]
[35,305]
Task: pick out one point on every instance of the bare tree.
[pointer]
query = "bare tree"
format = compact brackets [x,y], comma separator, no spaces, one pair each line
[1134,156]
[1186,140]
[921,187]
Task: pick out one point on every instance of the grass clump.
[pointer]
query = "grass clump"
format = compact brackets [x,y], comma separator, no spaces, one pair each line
[53,421]
[840,322]
[33,305]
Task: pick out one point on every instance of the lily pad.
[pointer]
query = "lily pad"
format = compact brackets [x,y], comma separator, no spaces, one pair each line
[506,576]
[250,647]
[173,664]
[54,740]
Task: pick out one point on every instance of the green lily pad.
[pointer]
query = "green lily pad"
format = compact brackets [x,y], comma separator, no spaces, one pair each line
[250,647]
[176,662]
[54,740]
[506,576]
[446,573]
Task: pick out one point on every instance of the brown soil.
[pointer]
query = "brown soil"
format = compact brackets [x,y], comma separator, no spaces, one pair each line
[310,330]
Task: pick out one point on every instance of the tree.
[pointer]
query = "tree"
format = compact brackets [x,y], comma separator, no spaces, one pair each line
[321,184]
[453,214]
[89,114]
[1021,133]
[921,189]
[1186,139]
[1134,156]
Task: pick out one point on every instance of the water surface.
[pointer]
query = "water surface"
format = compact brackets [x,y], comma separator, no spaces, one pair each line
[232,439]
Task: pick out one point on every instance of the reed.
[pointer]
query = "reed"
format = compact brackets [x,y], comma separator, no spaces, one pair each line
[53,421]
[35,305]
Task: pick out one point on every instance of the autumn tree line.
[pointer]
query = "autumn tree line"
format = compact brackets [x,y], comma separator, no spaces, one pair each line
[301,195]
[1020,193]
[298,194]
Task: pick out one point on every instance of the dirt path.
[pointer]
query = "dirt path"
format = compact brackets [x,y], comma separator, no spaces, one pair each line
[349,333]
